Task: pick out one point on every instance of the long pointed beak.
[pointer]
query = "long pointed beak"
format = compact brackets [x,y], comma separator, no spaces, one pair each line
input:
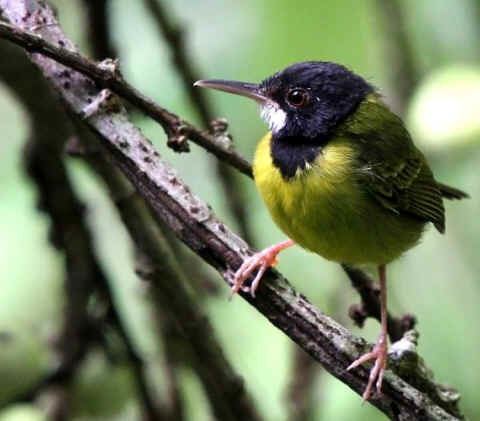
[249,90]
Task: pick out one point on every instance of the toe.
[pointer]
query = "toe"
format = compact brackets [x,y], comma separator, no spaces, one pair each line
[258,278]
[242,274]
[363,359]
[380,380]
[375,378]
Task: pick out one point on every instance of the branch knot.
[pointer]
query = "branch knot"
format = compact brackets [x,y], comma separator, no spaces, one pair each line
[219,129]
[178,138]
[110,68]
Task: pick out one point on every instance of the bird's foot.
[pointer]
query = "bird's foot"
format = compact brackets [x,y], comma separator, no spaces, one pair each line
[379,354]
[259,262]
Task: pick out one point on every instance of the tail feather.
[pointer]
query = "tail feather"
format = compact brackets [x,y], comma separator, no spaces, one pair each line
[451,193]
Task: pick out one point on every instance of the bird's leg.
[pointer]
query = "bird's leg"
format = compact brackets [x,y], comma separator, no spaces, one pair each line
[259,262]
[379,351]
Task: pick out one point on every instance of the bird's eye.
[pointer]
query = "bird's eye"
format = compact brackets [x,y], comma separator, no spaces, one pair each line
[298,97]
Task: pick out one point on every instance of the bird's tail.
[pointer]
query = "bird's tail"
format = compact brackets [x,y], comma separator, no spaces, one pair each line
[451,193]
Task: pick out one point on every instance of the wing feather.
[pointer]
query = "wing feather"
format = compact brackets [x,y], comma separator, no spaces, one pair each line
[412,191]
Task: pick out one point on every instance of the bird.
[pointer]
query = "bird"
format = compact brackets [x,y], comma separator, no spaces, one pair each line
[340,176]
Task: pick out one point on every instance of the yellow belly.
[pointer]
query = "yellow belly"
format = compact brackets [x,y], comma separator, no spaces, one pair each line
[324,210]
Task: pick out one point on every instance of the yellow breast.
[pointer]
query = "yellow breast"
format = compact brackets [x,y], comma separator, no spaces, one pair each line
[324,209]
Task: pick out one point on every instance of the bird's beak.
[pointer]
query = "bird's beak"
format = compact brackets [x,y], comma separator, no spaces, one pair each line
[249,90]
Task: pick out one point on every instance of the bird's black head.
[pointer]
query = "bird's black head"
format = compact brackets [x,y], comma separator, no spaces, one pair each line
[308,100]
[302,105]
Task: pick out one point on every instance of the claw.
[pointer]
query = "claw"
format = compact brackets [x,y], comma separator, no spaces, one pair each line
[259,262]
[379,354]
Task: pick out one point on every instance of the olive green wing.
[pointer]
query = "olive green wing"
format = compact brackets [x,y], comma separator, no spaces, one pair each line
[408,189]
[390,167]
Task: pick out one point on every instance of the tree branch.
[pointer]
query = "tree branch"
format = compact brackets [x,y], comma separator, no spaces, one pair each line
[107,75]
[194,222]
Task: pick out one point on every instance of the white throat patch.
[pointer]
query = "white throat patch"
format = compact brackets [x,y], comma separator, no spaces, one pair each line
[274,116]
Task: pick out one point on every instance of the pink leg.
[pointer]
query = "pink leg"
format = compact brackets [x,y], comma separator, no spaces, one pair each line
[260,261]
[379,351]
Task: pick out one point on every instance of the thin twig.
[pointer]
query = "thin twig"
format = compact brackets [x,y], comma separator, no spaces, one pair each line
[194,222]
[107,75]
[174,35]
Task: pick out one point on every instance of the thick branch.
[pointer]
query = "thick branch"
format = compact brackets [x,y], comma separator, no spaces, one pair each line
[174,35]
[194,222]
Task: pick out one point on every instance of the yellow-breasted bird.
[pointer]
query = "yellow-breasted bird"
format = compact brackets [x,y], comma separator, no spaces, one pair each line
[340,176]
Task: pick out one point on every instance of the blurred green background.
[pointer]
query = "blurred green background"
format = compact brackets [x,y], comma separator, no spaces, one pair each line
[438,281]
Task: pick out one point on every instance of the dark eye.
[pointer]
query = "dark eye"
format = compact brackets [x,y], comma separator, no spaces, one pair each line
[298,97]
